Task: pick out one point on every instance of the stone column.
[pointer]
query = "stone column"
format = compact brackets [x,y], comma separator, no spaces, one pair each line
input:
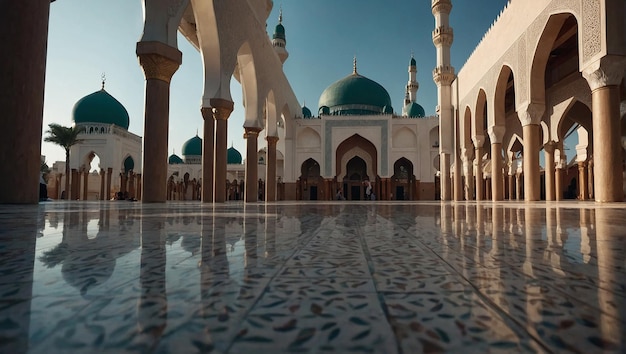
[479,140]
[549,170]
[496,133]
[468,166]
[252,173]
[159,63]
[590,179]
[23,70]
[102,183]
[138,186]
[221,111]
[446,185]
[131,184]
[208,155]
[604,77]
[85,173]
[270,180]
[511,187]
[518,187]
[582,180]
[74,186]
[108,188]
[530,117]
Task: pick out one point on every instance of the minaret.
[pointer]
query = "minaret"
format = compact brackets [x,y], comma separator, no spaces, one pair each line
[412,86]
[443,75]
[279,40]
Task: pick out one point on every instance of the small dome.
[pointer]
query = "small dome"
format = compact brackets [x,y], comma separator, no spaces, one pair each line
[193,147]
[174,160]
[279,32]
[414,110]
[100,107]
[306,112]
[233,157]
[413,62]
[355,95]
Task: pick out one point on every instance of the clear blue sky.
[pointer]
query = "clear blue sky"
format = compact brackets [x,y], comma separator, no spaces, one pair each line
[89,37]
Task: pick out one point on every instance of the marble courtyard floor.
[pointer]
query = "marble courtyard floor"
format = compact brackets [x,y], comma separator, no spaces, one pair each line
[298,277]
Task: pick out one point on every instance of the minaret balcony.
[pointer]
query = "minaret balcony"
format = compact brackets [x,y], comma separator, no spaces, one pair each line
[443,35]
[444,75]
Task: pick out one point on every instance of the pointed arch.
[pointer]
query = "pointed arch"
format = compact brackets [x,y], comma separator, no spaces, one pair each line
[404,138]
[479,123]
[356,145]
[246,69]
[504,96]
[309,138]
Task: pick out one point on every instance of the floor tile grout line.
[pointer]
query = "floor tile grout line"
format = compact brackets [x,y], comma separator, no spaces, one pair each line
[492,305]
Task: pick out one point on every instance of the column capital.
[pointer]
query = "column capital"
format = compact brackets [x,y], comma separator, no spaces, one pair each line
[271,140]
[549,147]
[531,113]
[496,133]
[479,141]
[158,60]
[221,108]
[606,71]
[251,132]
[207,113]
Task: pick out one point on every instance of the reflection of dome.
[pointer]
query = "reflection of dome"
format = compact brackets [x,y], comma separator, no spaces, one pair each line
[355,95]
[306,112]
[414,110]
[193,147]
[100,107]
[233,157]
[174,159]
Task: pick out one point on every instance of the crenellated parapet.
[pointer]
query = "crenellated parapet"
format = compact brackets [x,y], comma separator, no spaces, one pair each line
[441,6]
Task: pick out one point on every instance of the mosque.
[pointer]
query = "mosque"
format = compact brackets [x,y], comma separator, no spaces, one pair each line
[500,131]
[355,137]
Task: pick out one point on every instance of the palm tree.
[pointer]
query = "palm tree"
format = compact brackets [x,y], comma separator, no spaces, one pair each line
[65,137]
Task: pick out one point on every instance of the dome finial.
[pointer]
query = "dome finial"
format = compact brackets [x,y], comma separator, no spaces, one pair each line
[104,79]
[280,14]
[354,65]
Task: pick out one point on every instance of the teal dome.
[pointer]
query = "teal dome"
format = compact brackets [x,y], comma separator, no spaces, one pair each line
[306,112]
[413,62]
[355,95]
[100,107]
[193,147]
[233,157]
[174,159]
[414,110]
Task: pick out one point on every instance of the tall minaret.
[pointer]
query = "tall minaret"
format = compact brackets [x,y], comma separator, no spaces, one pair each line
[443,75]
[279,40]
[412,85]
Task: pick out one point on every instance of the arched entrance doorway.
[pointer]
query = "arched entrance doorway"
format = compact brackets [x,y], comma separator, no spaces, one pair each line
[356,162]
[403,180]
[310,180]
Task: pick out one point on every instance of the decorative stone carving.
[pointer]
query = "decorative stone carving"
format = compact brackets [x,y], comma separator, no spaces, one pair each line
[441,6]
[592,28]
[156,66]
[443,75]
[221,108]
[496,133]
[531,113]
[605,72]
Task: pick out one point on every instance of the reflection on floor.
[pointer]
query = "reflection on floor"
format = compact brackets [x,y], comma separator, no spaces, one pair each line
[368,277]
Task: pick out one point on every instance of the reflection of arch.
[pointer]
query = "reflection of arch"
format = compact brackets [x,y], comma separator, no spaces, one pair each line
[357,145]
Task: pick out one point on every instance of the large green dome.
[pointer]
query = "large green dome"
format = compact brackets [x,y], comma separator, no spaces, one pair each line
[355,95]
[233,157]
[100,107]
[193,147]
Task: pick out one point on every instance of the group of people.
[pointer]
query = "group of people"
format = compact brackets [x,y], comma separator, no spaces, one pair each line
[369,195]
